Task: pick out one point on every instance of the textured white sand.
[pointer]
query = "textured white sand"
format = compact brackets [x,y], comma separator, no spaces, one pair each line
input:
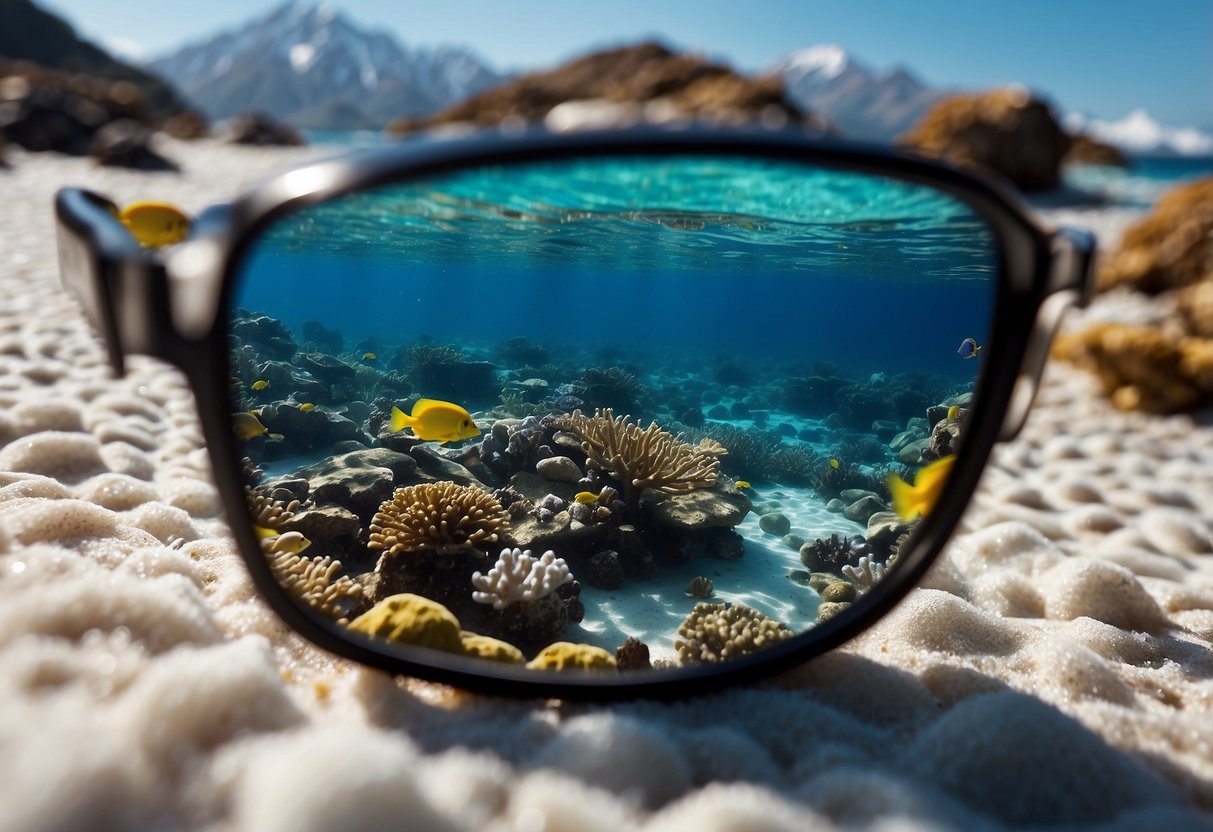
[1055,670]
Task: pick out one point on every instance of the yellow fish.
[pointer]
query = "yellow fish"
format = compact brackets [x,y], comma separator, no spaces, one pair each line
[953,413]
[834,463]
[742,484]
[155,224]
[369,356]
[291,543]
[247,425]
[437,421]
[910,501]
[307,407]
[260,384]
[586,498]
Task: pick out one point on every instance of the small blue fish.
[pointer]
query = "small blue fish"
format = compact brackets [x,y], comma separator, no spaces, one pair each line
[969,348]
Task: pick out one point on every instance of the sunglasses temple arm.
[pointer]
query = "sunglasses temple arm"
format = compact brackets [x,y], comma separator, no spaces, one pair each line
[122,287]
[1070,283]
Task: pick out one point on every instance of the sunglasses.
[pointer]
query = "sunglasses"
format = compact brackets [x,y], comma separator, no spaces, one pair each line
[590,415]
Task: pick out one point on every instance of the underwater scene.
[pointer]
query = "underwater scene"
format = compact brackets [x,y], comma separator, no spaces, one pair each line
[606,414]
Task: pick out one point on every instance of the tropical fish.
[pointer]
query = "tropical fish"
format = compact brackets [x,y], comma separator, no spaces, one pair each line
[435,420]
[307,407]
[742,484]
[291,543]
[247,425]
[276,436]
[969,348]
[834,463]
[910,501]
[155,224]
[260,384]
[953,413]
[369,356]
[586,498]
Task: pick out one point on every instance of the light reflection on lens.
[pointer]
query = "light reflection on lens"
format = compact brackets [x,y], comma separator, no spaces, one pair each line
[605,414]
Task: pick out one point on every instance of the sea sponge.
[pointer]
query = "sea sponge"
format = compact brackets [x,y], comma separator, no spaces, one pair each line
[718,632]
[493,649]
[1172,247]
[1142,368]
[642,458]
[442,517]
[564,655]
[517,576]
[412,619]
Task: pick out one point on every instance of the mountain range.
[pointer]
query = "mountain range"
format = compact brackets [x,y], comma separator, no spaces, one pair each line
[309,65]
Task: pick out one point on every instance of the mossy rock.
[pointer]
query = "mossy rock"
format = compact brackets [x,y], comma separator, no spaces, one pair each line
[564,655]
[412,619]
[493,649]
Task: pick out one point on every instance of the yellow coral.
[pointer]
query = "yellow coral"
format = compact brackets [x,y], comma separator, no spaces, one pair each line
[441,517]
[484,647]
[641,458]
[719,632]
[412,619]
[565,655]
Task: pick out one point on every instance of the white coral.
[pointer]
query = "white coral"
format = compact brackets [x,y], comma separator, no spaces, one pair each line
[517,576]
[866,574]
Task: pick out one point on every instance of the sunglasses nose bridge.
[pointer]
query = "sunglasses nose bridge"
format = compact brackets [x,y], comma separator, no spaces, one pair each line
[1070,284]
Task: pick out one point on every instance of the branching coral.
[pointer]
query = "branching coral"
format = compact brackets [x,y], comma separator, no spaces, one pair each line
[642,458]
[719,632]
[441,517]
[865,574]
[517,576]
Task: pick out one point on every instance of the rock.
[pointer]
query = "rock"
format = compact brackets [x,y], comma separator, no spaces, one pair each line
[269,336]
[359,481]
[860,510]
[623,85]
[704,508]
[1005,131]
[785,429]
[936,413]
[911,454]
[884,428]
[884,528]
[775,523]
[793,541]
[836,506]
[326,368]
[311,429]
[558,469]
[605,570]
[433,466]
[259,129]
[902,439]
[718,412]
[320,337]
[535,487]
[851,495]
[187,126]
[326,525]
[127,144]
[944,440]
[1085,150]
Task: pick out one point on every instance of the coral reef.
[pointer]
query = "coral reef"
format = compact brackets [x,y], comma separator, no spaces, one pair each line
[517,576]
[642,458]
[314,581]
[564,655]
[441,517]
[865,574]
[700,587]
[633,654]
[719,632]
[829,555]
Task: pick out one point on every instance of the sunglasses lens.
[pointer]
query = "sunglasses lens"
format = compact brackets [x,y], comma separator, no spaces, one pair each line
[606,413]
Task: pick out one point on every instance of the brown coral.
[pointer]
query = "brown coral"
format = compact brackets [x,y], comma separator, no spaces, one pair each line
[1170,248]
[641,458]
[1142,368]
[718,632]
[441,517]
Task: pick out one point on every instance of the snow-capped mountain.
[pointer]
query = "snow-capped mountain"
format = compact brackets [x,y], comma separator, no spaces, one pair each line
[862,103]
[309,65]
[1139,133]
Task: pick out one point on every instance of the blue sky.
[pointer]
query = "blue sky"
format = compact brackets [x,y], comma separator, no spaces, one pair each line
[1101,58]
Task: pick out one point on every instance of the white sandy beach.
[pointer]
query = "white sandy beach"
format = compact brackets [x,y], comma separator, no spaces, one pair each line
[1056,670]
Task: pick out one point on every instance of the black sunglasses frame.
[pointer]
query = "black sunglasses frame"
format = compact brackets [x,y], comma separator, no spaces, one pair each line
[170,307]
